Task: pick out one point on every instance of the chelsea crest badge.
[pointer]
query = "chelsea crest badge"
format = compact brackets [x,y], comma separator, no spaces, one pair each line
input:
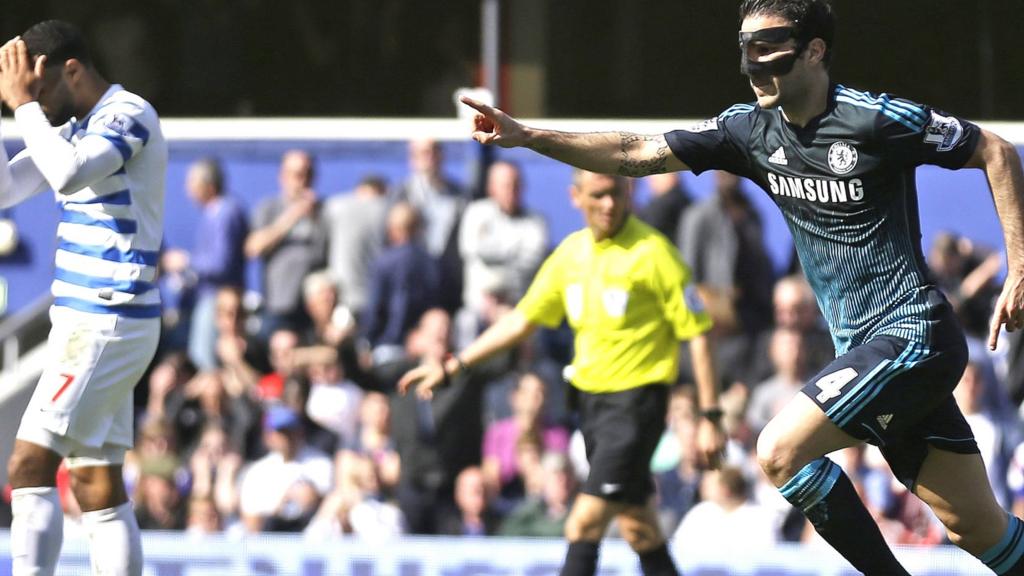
[842,157]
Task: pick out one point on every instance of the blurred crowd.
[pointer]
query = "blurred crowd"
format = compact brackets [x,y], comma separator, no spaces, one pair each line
[276,411]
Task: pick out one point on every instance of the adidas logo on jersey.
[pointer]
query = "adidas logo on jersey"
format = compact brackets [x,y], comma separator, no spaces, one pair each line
[884,420]
[779,157]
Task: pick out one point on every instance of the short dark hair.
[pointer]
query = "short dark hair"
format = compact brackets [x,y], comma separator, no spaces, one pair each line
[813,18]
[58,40]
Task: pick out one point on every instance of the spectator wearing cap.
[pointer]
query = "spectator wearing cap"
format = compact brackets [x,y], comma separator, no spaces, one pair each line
[281,491]
[158,502]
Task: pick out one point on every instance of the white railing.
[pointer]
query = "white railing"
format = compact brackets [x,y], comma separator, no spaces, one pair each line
[391,129]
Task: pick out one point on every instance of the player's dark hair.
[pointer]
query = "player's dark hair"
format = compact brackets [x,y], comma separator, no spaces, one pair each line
[59,41]
[813,18]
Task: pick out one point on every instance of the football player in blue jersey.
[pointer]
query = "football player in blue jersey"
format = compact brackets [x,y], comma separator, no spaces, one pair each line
[839,163]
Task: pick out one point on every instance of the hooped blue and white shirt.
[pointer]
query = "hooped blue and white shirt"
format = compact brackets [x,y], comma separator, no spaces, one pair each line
[107,171]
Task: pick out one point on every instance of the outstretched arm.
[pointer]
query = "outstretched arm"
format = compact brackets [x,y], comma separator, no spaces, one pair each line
[623,153]
[999,159]
[508,330]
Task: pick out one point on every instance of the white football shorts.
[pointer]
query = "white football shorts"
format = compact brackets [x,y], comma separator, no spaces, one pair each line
[82,407]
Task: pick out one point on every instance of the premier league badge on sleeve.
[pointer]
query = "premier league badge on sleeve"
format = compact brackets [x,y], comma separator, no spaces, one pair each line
[117,123]
[944,131]
[693,299]
[842,157]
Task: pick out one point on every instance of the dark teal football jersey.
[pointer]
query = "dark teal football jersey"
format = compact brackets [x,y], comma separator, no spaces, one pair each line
[846,187]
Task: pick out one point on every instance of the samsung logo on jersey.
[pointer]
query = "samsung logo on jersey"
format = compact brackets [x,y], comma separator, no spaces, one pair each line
[816,190]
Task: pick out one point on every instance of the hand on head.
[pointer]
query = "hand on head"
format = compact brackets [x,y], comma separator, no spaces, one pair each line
[21,79]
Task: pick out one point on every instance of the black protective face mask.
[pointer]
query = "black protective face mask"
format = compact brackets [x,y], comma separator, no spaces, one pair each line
[777,67]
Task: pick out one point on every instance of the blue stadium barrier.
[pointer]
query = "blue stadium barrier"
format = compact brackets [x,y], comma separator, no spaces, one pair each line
[179,554]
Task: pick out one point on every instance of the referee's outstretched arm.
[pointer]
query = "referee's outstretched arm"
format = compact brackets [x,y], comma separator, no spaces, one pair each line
[509,330]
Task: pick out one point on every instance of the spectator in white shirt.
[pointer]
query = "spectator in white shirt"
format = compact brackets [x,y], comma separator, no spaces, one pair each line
[281,491]
[727,518]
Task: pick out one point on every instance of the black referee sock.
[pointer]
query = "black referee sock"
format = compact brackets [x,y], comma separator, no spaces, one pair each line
[580,559]
[657,562]
[829,501]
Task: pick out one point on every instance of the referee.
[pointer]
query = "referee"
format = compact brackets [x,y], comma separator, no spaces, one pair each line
[625,293]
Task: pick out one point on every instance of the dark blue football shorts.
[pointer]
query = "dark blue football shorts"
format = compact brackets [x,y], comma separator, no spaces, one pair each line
[898,395]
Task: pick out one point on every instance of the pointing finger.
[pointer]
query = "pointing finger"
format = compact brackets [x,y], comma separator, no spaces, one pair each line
[477,105]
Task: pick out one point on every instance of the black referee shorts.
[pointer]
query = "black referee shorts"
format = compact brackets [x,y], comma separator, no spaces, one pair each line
[621,431]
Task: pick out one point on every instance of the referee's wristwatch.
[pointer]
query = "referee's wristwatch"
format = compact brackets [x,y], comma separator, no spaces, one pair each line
[459,366]
[713,414]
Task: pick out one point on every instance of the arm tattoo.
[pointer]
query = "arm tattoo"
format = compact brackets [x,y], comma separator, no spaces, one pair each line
[636,167]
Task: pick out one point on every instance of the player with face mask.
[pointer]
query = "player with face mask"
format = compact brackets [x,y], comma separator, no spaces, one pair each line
[839,163]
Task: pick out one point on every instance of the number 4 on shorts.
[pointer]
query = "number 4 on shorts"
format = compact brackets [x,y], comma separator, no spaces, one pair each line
[832,384]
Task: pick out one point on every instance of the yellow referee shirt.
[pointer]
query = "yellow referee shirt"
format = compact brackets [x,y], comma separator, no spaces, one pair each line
[628,301]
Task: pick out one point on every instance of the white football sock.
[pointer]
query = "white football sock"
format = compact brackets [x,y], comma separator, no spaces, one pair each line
[37,531]
[115,545]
